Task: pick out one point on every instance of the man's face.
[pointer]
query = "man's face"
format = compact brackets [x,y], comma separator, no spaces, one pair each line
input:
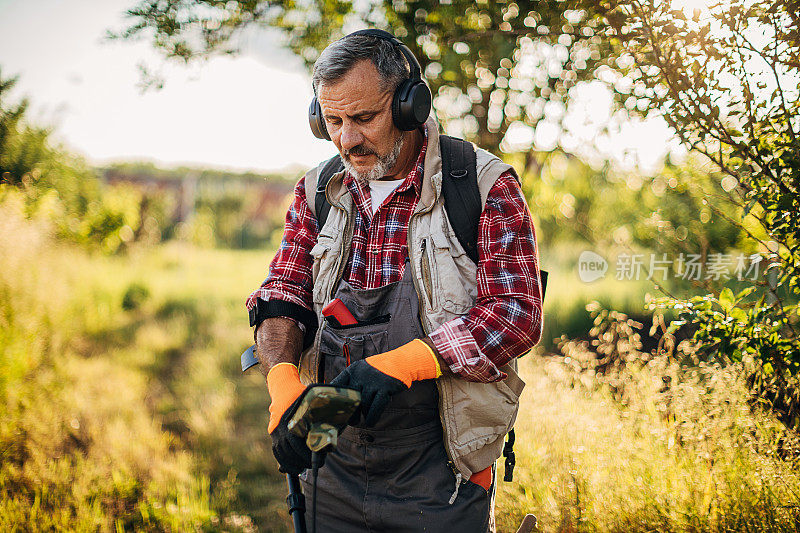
[358,116]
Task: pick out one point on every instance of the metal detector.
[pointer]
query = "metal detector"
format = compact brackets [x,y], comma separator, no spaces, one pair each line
[322,414]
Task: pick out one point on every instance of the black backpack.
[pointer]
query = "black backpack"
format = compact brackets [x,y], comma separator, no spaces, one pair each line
[462,202]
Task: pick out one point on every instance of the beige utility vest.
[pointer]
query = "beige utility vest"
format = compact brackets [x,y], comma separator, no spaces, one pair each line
[475,416]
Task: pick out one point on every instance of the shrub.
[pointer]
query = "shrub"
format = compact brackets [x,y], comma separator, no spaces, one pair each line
[56,187]
[724,81]
[612,438]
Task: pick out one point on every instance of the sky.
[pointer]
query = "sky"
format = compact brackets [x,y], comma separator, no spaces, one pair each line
[247,112]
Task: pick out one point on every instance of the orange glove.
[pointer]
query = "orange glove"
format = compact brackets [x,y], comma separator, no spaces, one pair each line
[413,361]
[283,383]
[381,376]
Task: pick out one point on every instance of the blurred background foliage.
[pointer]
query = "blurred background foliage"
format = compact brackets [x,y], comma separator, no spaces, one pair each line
[668,405]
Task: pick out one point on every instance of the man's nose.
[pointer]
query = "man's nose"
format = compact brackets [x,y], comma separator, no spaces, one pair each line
[350,136]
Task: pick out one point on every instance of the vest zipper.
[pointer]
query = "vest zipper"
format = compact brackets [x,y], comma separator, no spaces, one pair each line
[426,271]
[445,440]
[315,359]
[414,272]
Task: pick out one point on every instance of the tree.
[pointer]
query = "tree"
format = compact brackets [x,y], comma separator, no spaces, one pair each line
[726,79]
[21,146]
[490,64]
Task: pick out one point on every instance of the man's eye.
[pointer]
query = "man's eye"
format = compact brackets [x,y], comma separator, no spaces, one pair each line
[366,119]
[333,121]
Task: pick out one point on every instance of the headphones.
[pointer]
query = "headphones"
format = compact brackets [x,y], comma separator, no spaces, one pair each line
[411,103]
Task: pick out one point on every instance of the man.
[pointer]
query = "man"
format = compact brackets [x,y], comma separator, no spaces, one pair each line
[432,353]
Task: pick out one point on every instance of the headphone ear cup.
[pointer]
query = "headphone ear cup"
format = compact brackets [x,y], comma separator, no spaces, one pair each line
[411,104]
[397,114]
[316,122]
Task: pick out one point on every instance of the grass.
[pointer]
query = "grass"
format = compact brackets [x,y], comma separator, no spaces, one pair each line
[122,407]
[696,458]
[134,416]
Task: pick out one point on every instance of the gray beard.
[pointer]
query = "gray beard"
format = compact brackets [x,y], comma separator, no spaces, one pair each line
[381,167]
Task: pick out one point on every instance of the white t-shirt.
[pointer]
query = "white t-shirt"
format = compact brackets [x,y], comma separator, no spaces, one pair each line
[380,190]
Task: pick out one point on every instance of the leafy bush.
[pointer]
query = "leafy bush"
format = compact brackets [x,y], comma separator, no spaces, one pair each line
[731,329]
[723,78]
[614,438]
[56,187]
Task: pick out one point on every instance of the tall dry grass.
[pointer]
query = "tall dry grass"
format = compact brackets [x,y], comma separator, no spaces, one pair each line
[122,408]
[77,454]
[648,445]
[117,417]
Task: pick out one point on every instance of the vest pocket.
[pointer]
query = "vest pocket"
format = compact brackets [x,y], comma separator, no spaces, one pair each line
[478,416]
[324,260]
[383,319]
[449,285]
[425,267]
[513,383]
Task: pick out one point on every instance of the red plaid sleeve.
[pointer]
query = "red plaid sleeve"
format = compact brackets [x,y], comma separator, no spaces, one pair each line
[289,277]
[507,318]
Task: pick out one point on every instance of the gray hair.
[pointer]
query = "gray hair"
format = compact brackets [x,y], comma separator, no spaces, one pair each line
[342,55]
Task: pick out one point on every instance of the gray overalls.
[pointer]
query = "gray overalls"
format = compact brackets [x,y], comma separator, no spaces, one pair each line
[393,477]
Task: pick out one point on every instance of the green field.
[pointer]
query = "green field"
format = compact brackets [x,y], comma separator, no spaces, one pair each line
[123,402]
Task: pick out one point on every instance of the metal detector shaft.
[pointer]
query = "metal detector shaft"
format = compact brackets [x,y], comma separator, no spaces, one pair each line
[323,412]
[296,503]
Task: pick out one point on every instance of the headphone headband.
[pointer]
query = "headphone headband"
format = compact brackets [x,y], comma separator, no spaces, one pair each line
[413,64]
[411,103]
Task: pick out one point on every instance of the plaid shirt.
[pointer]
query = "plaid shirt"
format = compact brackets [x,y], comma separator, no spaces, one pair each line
[506,320]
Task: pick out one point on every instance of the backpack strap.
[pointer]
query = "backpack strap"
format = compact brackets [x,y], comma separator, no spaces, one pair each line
[462,198]
[315,188]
